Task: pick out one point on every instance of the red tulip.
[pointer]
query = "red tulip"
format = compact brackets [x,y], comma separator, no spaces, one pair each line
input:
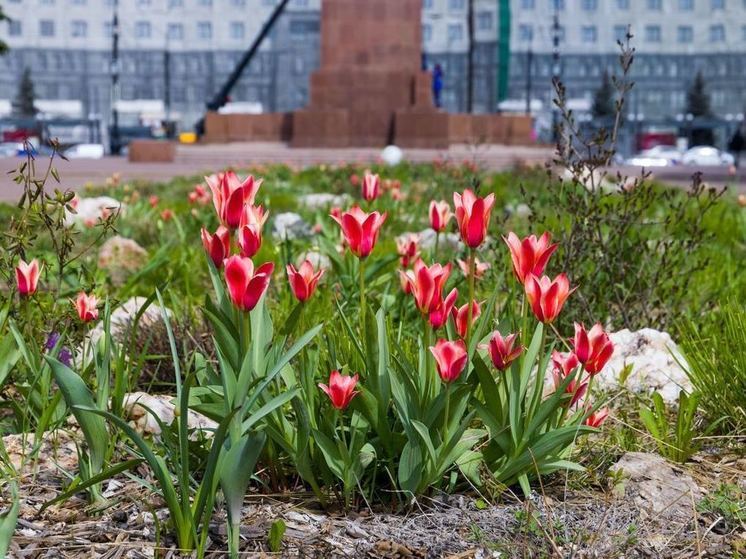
[217,246]
[426,284]
[479,268]
[371,187]
[407,247]
[167,214]
[594,348]
[230,194]
[153,201]
[246,285]
[530,255]
[596,418]
[250,227]
[565,364]
[443,309]
[303,281]
[360,230]
[27,277]
[473,216]
[440,215]
[354,180]
[461,317]
[86,307]
[547,296]
[503,350]
[451,359]
[341,389]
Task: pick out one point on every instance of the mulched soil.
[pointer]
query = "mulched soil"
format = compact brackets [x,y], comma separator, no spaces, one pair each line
[559,523]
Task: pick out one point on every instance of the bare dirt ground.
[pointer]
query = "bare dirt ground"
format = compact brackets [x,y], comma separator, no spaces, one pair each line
[557,521]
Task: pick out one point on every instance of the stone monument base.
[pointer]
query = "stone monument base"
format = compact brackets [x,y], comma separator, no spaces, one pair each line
[338,128]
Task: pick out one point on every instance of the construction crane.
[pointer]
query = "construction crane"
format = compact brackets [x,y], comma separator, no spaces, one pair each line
[223,94]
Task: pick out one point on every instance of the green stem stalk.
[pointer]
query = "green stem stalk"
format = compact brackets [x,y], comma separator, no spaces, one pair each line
[447,414]
[362,299]
[470,310]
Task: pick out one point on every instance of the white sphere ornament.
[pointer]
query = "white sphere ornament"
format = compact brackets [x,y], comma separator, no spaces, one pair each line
[392,155]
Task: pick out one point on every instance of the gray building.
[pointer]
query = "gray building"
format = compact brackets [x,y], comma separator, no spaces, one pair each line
[67,46]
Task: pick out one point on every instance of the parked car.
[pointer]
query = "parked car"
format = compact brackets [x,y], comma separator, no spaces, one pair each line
[658,156]
[85,151]
[707,156]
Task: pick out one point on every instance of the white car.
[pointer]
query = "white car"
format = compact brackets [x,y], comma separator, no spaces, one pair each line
[85,151]
[707,156]
[658,156]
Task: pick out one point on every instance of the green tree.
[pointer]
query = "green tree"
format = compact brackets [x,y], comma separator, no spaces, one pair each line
[604,98]
[3,44]
[698,100]
[23,104]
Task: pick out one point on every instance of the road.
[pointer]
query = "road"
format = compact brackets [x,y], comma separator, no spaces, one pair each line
[204,159]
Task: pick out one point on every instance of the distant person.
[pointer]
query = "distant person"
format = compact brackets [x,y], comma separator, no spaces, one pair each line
[737,144]
[437,84]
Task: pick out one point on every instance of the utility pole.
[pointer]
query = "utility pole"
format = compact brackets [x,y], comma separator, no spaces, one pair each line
[555,64]
[470,58]
[529,69]
[167,89]
[114,129]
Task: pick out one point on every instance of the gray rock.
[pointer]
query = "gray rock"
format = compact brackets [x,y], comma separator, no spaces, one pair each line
[290,225]
[90,209]
[120,257]
[660,489]
[655,362]
[321,200]
[427,240]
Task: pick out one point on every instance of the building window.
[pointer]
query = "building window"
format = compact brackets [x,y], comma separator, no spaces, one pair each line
[14,28]
[204,30]
[528,4]
[175,3]
[484,21]
[743,33]
[525,33]
[456,5]
[427,32]
[142,29]
[78,28]
[717,33]
[558,5]
[46,28]
[238,3]
[237,30]
[653,33]
[622,4]
[427,5]
[205,3]
[620,33]
[655,5]
[588,34]
[79,2]
[686,5]
[455,32]
[589,5]
[718,4]
[143,3]
[175,32]
[685,34]
[46,2]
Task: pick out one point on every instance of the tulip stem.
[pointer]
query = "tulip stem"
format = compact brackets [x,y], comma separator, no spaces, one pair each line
[437,244]
[447,414]
[428,358]
[470,302]
[362,299]
[560,337]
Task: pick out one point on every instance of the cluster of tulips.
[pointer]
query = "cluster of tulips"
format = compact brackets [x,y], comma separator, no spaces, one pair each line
[234,203]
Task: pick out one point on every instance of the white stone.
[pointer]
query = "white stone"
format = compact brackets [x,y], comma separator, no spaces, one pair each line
[120,257]
[139,408]
[290,225]
[392,155]
[317,259]
[125,314]
[427,240]
[90,209]
[321,200]
[659,488]
[655,360]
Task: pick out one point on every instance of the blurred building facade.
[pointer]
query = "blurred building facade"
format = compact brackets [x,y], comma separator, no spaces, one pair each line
[67,45]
